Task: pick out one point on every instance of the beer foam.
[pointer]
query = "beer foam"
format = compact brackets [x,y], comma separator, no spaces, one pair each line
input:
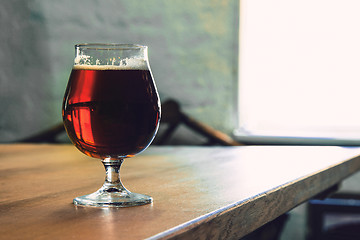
[124,64]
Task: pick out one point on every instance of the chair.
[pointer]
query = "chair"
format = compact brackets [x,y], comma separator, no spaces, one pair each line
[172,116]
[336,217]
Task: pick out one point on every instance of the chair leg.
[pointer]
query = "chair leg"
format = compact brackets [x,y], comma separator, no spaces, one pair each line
[167,134]
[48,136]
[270,231]
[315,221]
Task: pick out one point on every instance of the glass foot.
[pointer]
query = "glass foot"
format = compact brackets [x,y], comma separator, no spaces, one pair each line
[113,199]
[113,193]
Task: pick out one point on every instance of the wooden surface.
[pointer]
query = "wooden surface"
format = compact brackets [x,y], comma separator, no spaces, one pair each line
[204,192]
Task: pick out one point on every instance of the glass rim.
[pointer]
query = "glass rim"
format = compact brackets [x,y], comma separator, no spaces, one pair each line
[110,46]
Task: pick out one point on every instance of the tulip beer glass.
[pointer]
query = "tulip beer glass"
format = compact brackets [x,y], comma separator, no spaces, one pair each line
[111,111]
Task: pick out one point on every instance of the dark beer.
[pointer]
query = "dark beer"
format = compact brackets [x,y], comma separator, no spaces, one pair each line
[110,112]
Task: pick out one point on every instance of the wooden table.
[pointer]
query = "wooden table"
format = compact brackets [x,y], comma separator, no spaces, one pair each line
[199,192]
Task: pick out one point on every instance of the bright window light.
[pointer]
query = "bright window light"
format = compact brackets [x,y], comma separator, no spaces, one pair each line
[299,68]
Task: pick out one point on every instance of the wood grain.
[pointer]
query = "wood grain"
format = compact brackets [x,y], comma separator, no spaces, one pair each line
[199,192]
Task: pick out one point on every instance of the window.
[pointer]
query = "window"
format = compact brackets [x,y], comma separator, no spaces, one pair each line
[299,69]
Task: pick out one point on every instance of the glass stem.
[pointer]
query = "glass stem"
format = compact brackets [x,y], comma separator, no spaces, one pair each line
[112,182]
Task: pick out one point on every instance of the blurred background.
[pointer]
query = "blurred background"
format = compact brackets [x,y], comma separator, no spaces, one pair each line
[192,53]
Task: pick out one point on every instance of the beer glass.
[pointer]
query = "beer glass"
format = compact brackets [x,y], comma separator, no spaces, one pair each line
[111,111]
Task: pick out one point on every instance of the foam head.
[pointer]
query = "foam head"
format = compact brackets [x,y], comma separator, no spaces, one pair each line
[83,62]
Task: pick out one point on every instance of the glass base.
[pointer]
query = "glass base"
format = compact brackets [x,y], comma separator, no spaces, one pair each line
[113,193]
[113,199]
